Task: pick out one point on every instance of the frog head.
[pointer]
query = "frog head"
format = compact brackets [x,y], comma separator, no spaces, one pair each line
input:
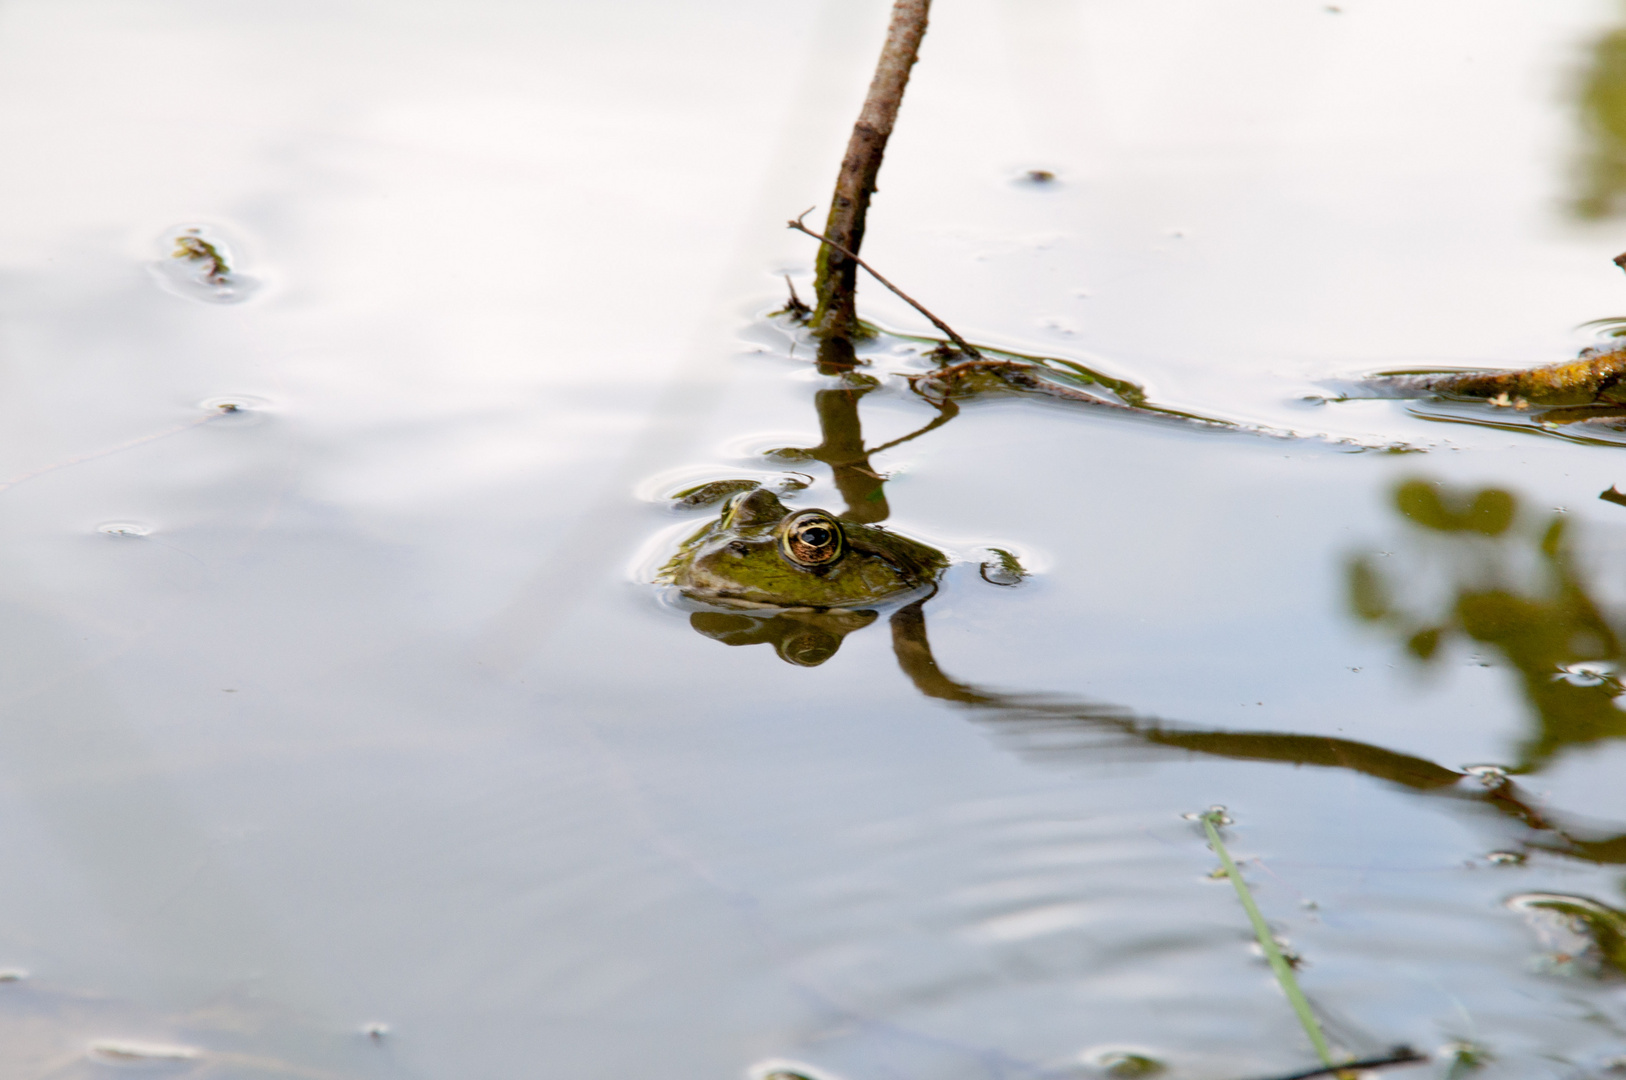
[758,553]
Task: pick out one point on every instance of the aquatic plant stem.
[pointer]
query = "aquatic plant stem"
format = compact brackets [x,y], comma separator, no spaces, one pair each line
[948,331]
[836,315]
[1267,942]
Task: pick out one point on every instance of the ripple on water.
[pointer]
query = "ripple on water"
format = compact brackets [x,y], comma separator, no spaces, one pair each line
[976,921]
[238,410]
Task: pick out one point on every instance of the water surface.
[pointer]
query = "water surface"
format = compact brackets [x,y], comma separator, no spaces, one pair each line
[347,736]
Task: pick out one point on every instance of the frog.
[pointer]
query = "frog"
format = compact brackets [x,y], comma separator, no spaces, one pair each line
[760,554]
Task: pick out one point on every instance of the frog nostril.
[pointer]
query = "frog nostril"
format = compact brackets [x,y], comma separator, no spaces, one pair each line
[739,547]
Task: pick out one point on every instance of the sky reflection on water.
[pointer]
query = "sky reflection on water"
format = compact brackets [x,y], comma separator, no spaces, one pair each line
[365,720]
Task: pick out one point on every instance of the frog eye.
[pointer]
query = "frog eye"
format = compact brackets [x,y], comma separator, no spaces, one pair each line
[812,539]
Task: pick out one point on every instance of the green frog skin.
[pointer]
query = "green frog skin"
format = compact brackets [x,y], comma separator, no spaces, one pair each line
[761,554]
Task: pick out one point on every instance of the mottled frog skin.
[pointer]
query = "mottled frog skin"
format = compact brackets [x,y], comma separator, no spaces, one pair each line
[761,554]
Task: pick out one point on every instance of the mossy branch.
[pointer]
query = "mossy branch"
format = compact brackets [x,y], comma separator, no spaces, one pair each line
[836,313]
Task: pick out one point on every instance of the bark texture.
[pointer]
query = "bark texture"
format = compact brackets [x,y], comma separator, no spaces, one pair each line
[836,317]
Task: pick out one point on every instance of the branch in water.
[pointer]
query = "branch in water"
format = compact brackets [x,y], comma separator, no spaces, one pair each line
[836,315]
[961,343]
[1400,1055]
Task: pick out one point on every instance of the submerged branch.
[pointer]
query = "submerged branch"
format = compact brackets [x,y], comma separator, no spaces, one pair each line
[1400,1055]
[836,315]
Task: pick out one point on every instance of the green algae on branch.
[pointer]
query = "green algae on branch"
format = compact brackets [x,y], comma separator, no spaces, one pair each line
[1593,378]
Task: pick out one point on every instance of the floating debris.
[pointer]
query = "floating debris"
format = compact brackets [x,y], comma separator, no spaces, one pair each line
[1123,1064]
[199,264]
[1593,378]
[211,264]
[1003,569]
[1580,935]
[787,1070]
[124,528]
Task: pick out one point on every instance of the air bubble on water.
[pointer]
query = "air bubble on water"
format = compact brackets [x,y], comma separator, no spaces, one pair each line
[1506,858]
[1489,775]
[124,528]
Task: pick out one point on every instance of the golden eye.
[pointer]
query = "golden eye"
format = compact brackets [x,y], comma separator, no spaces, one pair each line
[812,539]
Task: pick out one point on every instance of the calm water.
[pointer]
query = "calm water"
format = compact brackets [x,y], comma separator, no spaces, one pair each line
[353,708]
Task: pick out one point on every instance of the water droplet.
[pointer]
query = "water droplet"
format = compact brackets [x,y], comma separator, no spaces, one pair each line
[124,528]
[375,1031]
[12,975]
[1506,858]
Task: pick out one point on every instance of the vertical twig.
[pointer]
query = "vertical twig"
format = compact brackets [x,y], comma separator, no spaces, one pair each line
[836,314]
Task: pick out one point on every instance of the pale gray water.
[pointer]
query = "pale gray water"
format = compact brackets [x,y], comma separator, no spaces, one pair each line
[355,706]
